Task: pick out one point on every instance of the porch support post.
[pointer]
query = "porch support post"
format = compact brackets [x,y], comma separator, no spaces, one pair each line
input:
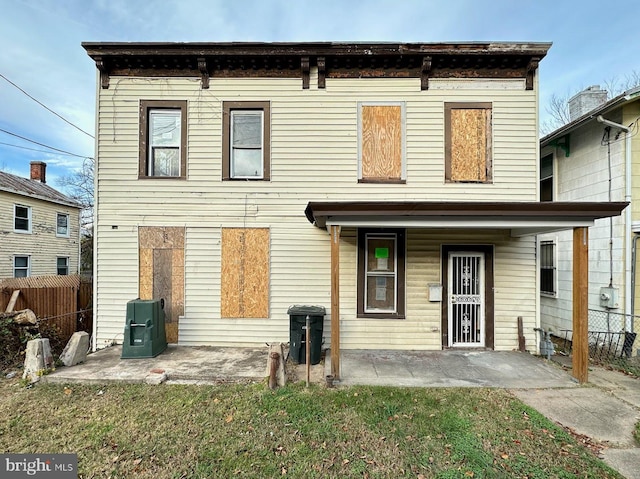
[580,359]
[335,301]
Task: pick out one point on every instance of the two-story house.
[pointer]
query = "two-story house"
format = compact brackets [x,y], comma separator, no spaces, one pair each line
[39,227]
[395,184]
[595,157]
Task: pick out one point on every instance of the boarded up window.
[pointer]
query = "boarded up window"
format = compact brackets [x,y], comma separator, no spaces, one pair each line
[161,256]
[468,142]
[382,137]
[245,273]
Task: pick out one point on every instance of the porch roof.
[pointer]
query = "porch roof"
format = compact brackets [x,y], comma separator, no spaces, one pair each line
[522,218]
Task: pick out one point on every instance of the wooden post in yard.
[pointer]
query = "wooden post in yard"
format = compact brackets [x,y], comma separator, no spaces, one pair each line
[335,302]
[580,359]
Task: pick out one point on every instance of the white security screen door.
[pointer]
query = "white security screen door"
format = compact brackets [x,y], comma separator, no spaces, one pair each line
[466,299]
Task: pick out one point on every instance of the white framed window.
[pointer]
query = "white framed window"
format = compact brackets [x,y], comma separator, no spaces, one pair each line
[246,143]
[246,140]
[163,139]
[62,265]
[548,268]
[21,266]
[62,225]
[21,219]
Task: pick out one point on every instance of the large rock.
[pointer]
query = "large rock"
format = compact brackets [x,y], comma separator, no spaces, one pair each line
[75,352]
[38,359]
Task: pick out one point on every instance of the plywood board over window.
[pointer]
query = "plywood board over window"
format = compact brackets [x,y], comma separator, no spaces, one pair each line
[161,257]
[381,143]
[245,273]
[468,142]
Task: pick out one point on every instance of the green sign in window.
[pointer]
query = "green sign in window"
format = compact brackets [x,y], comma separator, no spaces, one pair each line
[382,253]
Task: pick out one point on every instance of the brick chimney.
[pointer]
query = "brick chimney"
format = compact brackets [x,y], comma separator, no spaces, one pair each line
[38,171]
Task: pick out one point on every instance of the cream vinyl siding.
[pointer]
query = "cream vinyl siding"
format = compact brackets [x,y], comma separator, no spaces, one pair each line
[42,244]
[314,148]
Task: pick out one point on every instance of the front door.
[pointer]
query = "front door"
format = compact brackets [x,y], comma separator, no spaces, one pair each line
[466,308]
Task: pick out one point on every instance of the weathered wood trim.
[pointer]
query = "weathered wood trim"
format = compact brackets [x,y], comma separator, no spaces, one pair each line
[580,361]
[531,69]
[104,73]
[426,71]
[304,66]
[322,72]
[335,301]
[202,66]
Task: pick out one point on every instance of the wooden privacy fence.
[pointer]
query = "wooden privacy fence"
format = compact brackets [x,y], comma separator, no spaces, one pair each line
[65,302]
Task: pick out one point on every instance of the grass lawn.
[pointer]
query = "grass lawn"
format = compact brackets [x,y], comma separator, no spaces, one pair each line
[172,431]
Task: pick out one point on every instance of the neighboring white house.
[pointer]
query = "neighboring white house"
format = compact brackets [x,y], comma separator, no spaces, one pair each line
[395,184]
[39,227]
[595,157]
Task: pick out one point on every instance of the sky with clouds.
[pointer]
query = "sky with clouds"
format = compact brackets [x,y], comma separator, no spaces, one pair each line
[593,42]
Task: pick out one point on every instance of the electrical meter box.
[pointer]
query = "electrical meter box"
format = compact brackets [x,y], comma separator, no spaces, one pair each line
[609,297]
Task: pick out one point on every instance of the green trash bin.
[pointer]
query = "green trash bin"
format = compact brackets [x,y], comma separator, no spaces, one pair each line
[144,330]
[298,334]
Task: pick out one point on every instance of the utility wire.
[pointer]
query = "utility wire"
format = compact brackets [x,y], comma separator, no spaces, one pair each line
[47,108]
[42,144]
[33,149]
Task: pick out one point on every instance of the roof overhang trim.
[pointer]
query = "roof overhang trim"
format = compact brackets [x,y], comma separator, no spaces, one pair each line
[521,218]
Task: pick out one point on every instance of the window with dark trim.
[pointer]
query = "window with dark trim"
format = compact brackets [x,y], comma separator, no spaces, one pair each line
[546,178]
[547,268]
[468,142]
[62,265]
[246,140]
[163,139]
[21,266]
[381,146]
[21,219]
[381,273]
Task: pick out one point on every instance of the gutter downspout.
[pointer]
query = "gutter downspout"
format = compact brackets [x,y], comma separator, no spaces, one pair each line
[634,273]
[627,216]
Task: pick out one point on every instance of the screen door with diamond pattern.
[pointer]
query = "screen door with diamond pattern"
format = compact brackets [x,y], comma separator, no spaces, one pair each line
[466,299]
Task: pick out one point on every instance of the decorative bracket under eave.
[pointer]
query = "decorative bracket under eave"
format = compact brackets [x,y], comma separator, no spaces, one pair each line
[104,74]
[426,70]
[563,142]
[531,69]
[304,65]
[204,72]
[322,72]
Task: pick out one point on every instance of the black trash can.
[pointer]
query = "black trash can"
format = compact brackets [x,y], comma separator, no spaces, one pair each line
[298,334]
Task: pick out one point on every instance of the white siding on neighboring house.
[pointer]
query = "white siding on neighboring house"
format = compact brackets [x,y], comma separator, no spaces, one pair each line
[42,244]
[314,157]
[584,176]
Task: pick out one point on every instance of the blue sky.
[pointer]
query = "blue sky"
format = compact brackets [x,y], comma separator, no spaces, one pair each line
[593,41]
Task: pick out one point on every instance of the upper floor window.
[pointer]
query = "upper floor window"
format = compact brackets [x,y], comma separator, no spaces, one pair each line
[62,225]
[468,139]
[163,139]
[22,219]
[21,266]
[548,267]
[546,178]
[246,140]
[62,264]
[381,146]
[381,273]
